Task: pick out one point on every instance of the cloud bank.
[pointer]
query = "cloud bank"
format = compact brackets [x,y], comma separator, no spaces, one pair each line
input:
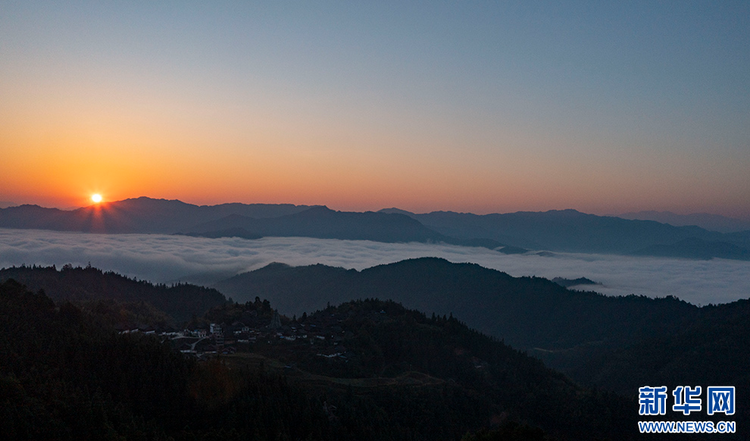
[165,258]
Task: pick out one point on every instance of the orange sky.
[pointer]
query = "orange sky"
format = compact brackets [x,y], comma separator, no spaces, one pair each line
[482,109]
[62,160]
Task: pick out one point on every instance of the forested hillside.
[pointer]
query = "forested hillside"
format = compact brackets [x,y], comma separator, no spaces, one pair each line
[364,369]
[526,312]
[65,374]
[180,302]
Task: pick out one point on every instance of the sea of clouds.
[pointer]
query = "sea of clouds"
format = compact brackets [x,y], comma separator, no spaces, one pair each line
[167,258]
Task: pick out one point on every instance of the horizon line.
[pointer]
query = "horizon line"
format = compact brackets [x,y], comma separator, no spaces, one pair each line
[8,204]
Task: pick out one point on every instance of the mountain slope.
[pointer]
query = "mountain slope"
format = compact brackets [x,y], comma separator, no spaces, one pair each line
[694,248]
[711,222]
[711,349]
[573,231]
[65,375]
[378,344]
[525,312]
[181,301]
[613,343]
[566,230]
[324,223]
[140,215]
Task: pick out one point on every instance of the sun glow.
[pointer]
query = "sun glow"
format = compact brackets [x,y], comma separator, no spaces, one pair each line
[96,198]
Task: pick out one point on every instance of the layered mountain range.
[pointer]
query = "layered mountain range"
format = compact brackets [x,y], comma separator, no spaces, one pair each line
[614,343]
[708,221]
[557,230]
[393,373]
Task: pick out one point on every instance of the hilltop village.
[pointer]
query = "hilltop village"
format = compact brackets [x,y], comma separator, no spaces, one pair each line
[255,327]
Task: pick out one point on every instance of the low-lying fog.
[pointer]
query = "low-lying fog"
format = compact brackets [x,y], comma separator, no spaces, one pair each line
[164,258]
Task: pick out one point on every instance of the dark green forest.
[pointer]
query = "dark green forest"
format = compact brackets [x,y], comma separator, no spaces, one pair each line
[363,369]
[525,312]
[179,302]
[65,373]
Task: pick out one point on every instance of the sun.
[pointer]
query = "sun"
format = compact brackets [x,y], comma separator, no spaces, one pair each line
[96,198]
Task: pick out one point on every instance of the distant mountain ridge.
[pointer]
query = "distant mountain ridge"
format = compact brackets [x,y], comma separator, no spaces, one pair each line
[556,230]
[694,248]
[139,215]
[711,222]
[249,221]
[573,231]
[324,223]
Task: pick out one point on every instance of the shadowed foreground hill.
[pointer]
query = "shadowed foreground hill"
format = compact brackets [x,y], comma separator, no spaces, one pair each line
[441,370]
[64,374]
[180,301]
[385,372]
[614,343]
[712,349]
[527,312]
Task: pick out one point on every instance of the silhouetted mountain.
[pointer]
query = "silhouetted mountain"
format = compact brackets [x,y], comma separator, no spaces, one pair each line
[741,239]
[574,282]
[145,215]
[694,248]
[566,230]
[324,223]
[572,231]
[180,301]
[711,349]
[711,222]
[395,210]
[393,373]
[229,232]
[382,343]
[140,215]
[525,312]
[64,374]
[614,343]
[487,243]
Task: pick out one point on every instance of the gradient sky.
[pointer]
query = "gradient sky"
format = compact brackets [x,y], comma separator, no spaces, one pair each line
[602,106]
